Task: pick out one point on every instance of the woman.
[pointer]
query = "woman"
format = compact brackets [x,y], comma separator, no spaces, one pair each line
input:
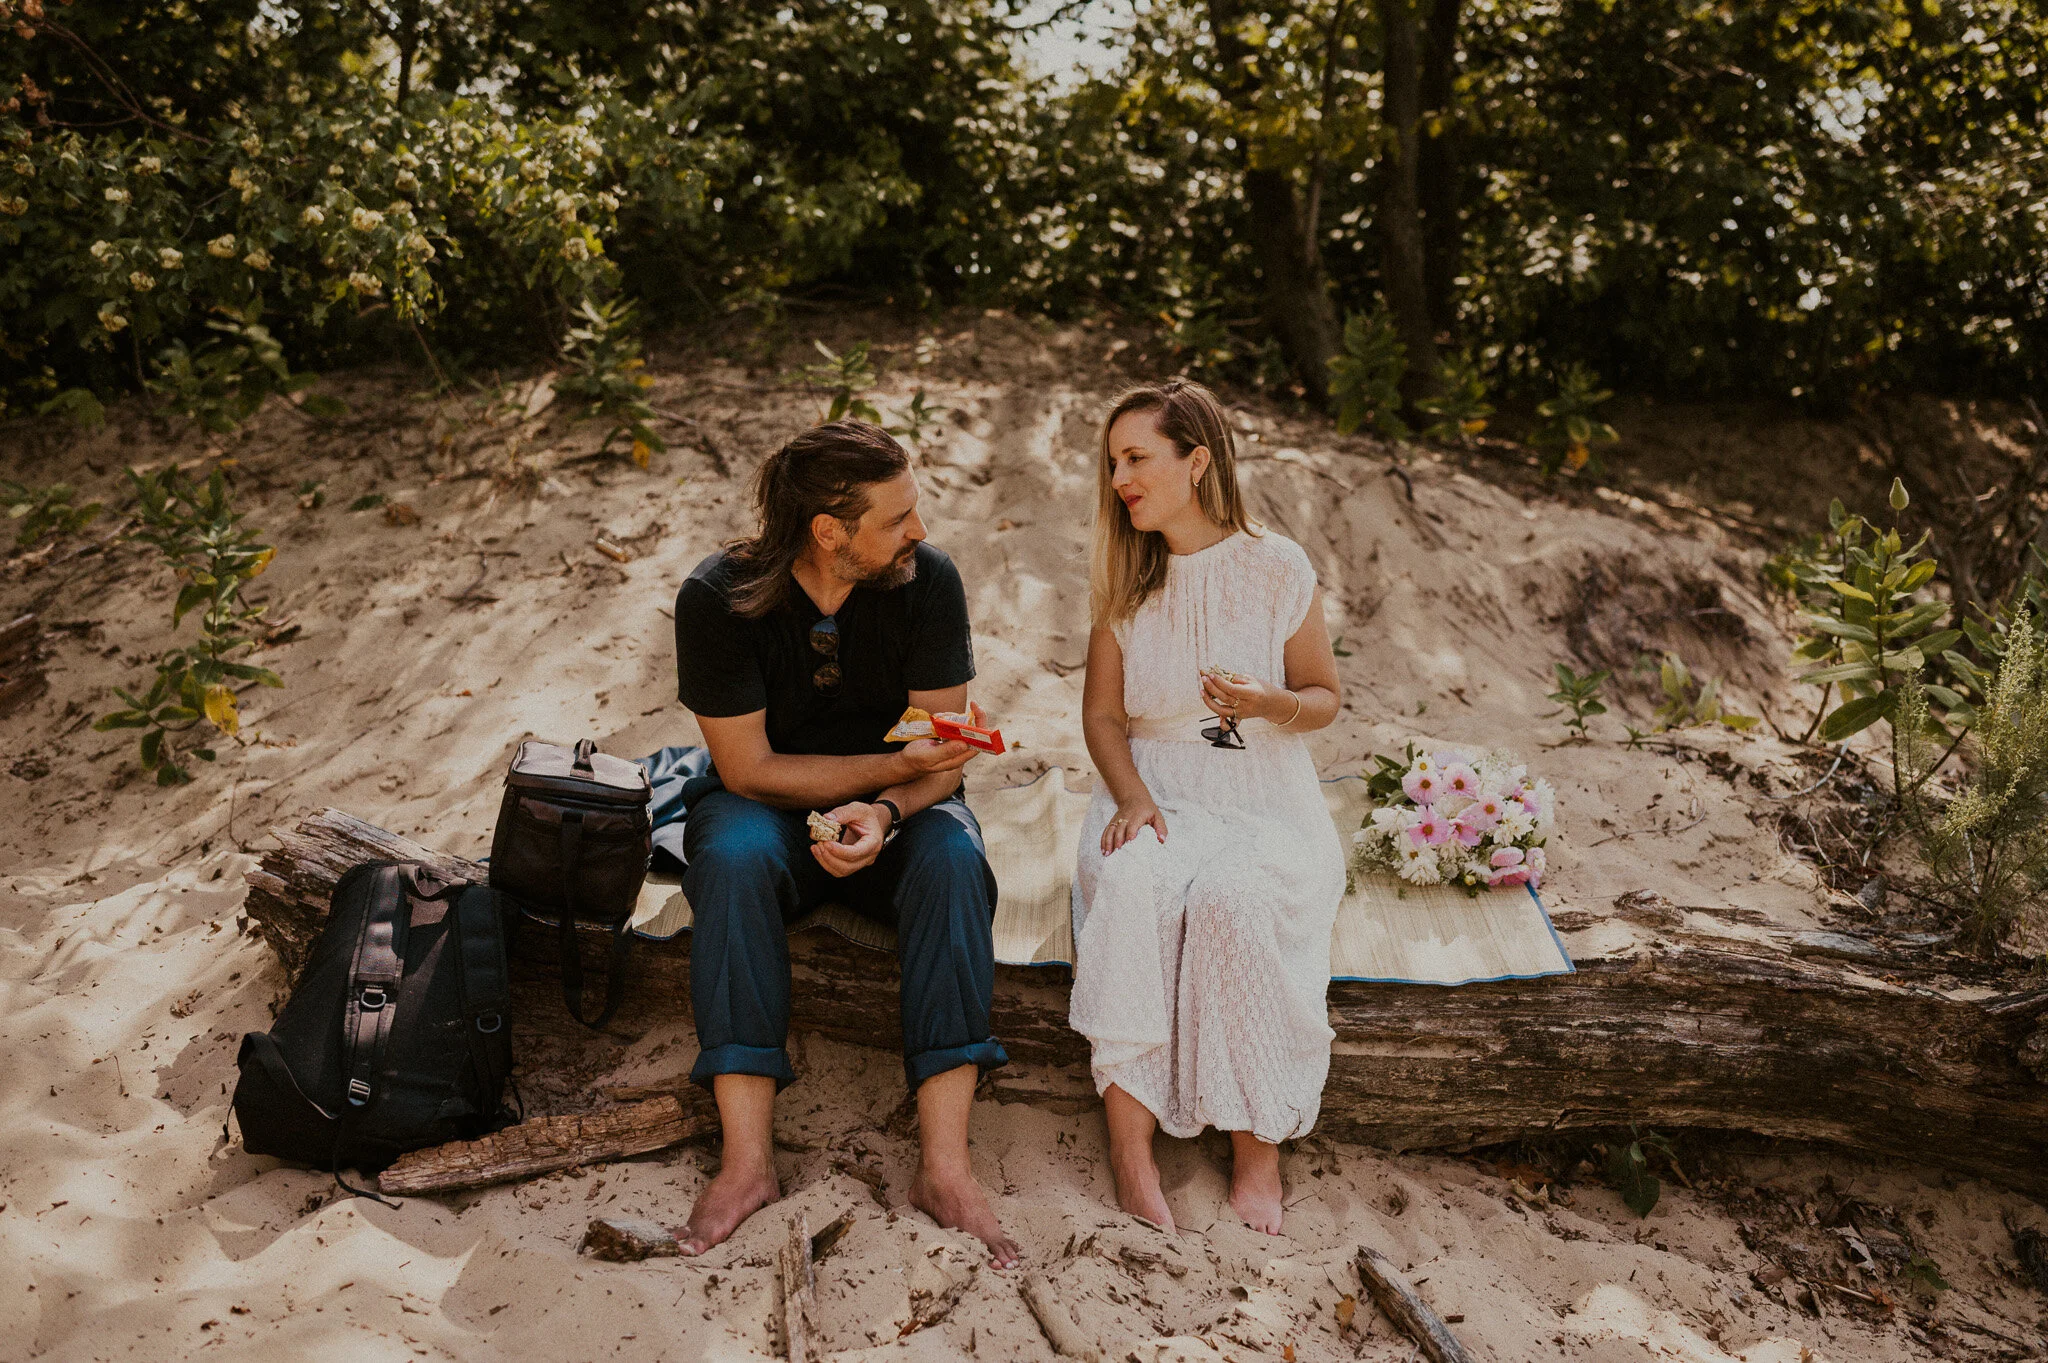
[1209,875]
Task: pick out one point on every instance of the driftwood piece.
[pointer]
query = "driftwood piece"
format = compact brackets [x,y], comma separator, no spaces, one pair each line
[1056,1320]
[627,1240]
[798,1282]
[1398,1301]
[1708,1021]
[545,1145]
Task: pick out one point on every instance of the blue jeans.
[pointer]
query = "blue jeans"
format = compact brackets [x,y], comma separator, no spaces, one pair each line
[750,874]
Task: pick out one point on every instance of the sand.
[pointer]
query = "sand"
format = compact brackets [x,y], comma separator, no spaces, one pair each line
[423,652]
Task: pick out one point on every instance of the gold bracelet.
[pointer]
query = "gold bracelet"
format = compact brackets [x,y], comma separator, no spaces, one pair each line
[1297,711]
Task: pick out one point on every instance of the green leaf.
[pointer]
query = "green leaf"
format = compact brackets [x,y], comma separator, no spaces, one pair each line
[192,596]
[1841,672]
[1942,696]
[176,714]
[1918,575]
[1857,715]
[152,749]
[1841,629]
[1937,643]
[121,719]
[1854,593]
[369,501]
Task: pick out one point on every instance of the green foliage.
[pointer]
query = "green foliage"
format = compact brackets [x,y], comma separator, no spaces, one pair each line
[918,417]
[1459,406]
[1200,338]
[1986,848]
[1925,1274]
[1365,378]
[199,533]
[44,511]
[1868,625]
[1628,1169]
[846,379]
[1580,695]
[1569,429]
[229,379]
[606,370]
[1688,701]
[78,406]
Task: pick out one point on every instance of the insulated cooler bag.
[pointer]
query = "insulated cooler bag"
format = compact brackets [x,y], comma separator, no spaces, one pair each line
[574,834]
[395,1037]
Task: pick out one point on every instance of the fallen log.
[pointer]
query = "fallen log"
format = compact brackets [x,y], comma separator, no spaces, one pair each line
[1702,1020]
[628,1240]
[545,1145]
[1399,1303]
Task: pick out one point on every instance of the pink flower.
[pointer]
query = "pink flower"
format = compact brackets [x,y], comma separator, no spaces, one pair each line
[1530,804]
[1421,787]
[1502,879]
[1484,813]
[1460,779]
[1465,833]
[1537,864]
[1504,857]
[1429,830]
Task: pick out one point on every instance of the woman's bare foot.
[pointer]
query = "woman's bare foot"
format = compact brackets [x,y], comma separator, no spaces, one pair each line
[1255,1181]
[957,1202]
[736,1193]
[1137,1187]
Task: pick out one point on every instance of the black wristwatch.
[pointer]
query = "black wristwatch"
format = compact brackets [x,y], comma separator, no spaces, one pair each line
[895,817]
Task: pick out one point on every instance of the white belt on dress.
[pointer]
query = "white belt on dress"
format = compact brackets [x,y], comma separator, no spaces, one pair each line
[1186,728]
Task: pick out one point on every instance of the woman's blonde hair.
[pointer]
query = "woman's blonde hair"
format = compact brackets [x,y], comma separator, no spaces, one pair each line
[1130,564]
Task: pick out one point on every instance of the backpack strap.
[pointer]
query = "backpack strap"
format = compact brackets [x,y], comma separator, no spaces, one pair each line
[584,748]
[571,957]
[486,991]
[373,979]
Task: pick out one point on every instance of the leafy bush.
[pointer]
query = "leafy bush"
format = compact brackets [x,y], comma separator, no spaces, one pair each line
[1688,701]
[606,370]
[1628,1169]
[1459,406]
[1569,430]
[197,530]
[1580,695]
[227,381]
[44,511]
[1365,379]
[1986,848]
[846,379]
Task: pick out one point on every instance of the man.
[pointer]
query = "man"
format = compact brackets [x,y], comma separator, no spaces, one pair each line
[797,650]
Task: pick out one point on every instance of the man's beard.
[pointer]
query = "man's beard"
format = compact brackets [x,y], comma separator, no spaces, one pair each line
[897,572]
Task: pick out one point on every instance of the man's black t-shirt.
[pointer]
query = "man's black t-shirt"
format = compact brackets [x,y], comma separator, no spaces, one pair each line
[909,638]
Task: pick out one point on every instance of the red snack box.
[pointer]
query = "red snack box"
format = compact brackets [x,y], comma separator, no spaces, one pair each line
[988,740]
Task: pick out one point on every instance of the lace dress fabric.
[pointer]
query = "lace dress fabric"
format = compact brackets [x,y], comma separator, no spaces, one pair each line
[1203,963]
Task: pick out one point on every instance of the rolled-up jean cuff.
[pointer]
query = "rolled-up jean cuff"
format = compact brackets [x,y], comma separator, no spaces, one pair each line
[769,1061]
[983,1055]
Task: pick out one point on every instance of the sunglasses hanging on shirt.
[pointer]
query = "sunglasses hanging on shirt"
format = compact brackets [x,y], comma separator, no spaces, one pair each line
[825,643]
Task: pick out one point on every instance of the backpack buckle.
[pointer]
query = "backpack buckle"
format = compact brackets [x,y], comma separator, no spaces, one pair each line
[373,998]
[497,1020]
[358,1092]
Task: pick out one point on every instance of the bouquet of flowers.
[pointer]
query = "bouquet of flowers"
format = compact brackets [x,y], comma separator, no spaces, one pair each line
[1450,817]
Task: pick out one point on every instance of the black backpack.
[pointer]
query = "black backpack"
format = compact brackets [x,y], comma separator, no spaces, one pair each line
[574,834]
[396,1036]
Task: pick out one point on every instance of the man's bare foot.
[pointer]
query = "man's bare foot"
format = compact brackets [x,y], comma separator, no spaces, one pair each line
[736,1193]
[957,1202]
[1255,1181]
[1137,1189]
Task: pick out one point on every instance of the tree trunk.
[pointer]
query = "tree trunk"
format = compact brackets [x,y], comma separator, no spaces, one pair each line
[1438,165]
[1296,301]
[1715,1021]
[1401,253]
[408,40]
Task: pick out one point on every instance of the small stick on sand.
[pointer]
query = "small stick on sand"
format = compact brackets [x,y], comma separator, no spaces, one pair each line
[1398,1301]
[546,1144]
[794,1260]
[1058,1323]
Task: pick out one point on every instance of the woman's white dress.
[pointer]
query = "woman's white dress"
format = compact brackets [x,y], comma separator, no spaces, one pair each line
[1202,964]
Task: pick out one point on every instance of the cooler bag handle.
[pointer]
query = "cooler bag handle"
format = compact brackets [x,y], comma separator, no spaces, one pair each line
[584,748]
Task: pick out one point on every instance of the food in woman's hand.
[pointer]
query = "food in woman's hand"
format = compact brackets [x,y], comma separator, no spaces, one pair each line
[824,829]
[1224,674]
[946,726]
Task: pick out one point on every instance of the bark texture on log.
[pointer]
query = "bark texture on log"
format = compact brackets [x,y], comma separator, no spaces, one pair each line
[627,1240]
[1057,1321]
[794,1262]
[1819,1037]
[545,1145]
[1400,1304]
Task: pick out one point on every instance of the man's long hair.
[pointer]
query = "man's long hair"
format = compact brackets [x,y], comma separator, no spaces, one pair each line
[825,471]
[1130,564]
